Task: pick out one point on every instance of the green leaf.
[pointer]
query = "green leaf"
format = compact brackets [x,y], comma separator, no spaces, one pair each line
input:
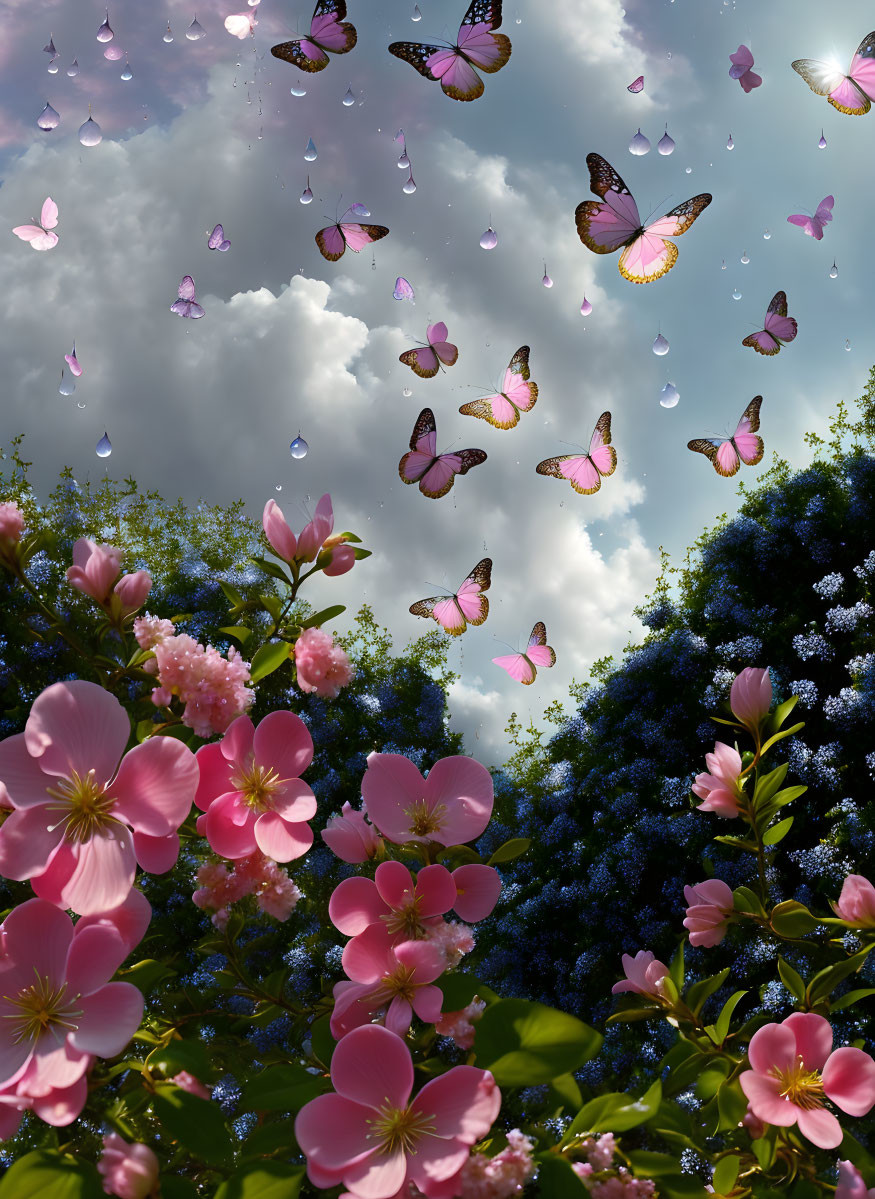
[731,1104]
[767,745]
[282,1089]
[557,1180]
[266,1139]
[272,604]
[458,990]
[791,980]
[173,1187]
[268,659]
[183,1055]
[720,1028]
[147,974]
[524,1043]
[144,729]
[792,919]
[676,969]
[323,617]
[263,1180]
[828,979]
[322,1041]
[47,1174]
[360,553]
[238,631]
[768,784]
[614,1112]
[738,843]
[198,1124]
[634,1013]
[711,1078]
[351,537]
[778,831]
[271,568]
[458,853]
[725,1174]
[565,1090]
[231,594]
[746,901]
[851,998]
[700,991]
[764,1149]
[514,848]
[782,711]
[648,1164]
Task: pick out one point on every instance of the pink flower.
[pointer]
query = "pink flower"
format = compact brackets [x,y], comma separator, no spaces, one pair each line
[643,974]
[58,1106]
[130,919]
[131,591]
[501,1176]
[379,1139]
[856,904]
[459,1026]
[451,806]
[322,666]
[851,1183]
[313,537]
[150,630]
[57,1006]
[754,1125]
[212,688]
[85,811]
[751,697]
[95,568]
[711,903]
[720,789]
[351,837]
[251,792]
[793,1072]
[193,1085]
[342,556]
[129,1171]
[11,522]
[393,900]
[453,940]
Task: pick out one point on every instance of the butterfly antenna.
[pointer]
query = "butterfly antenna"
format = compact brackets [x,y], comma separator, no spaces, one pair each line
[658,206]
[509,646]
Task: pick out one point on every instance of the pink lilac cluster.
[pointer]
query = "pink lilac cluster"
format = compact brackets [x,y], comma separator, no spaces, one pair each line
[501,1176]
[453,939]
[459,1026]
[129,1171]
[11,521]
[149,630]
[94,571]
[322,667]
[599,1153]
[257,875]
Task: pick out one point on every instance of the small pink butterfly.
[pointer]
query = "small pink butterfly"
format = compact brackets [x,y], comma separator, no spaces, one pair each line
[585,471]
[468,606]
[187,304]
[779,329]
[403,290]
[742,62]
[217,240]
[813,225]
[636,86]
[334,239]
[73,362]
[328,31]
[852,93]
[727,455]
[517,395]
[38,235]
[434,472]
[605,228]
[425,361]
[538,653]
[453,66]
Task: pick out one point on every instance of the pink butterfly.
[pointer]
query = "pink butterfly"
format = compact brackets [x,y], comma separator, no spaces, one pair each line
[636,86]
[742,62]
[434,472]
[217,240]
[813,225]
[604,228]
[468,606]
[187,304]
[584,471]
[38,235]
[453,66]
[403,290]
[425,361]
[727,454]
[852,93]
[328,31]
[73,362]
[517,395]
[538,653]
[779,329]
[334,239]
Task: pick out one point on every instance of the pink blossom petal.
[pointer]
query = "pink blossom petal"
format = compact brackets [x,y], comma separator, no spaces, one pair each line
[379,1176]
[279,839]
[368,956]
[324,1179]
[372,1066]
[38,933]
[772,1045]
[77,726]
[215,773]
[53,1065]
[276,530]
[465,787]
[230,827]
[813,1038]
[156,854]
[764,1094]
[10,1120]
[438,1159]
[13,1056]
[820,1127]
[237,744]
[95,955]
[51,882]
[331,1129]
[427,1003]
[849,1080]
[28,838]
[423,957]
[355,903]
[313,534]
[396,885]
[295,802]
[398,1015]
[22,774]
[352,1008]
[283,741]
[109,1019]
[462,1103]
[155,786]
[131,918]
[103,875]
[62,1105]
[478,888]
[390,788]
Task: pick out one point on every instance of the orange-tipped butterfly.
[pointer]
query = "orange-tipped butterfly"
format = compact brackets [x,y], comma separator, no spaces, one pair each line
[585,471]
[538,653]
[435,473]
[727,454]
[517,395]
[468,606]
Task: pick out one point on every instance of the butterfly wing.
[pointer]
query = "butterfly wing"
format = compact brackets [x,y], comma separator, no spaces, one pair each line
[419,55]
[39,239]
[437,339]
[328,31]
[862,69]
[480,45]
[518,667]
[604,228]
[422,360]
[782,328]
[441,474]
[49,214]
[749,80]
[742,60]
[824,210]
[721,454]
[469,606]
[496,409]
[332,242]
[517,395]
[636,86]
[762,342]
[580,472]
[842,91]
[808,224]
[403,290]
[750,448]
[423,442]
[601,453]
[539,652]
[358,236]
[649,256]
[216,240]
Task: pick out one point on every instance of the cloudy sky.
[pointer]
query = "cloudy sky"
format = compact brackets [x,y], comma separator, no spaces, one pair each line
[208,131]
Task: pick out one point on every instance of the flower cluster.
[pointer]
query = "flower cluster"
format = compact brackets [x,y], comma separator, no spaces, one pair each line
[257,875]
[322,666]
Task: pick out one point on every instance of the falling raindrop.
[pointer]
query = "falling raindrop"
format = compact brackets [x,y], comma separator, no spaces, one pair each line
[80,405]
[168,36]
[48,118]
[736,295]
[689,170]
[104,447]
[410,186]
[349,98]
[89,132]
[360,210]
[306,194]
[403,161]
[730,144]
[278,487]
[407,392]
[104,33]
[847,344]
[73,69]
[547,281]
[639,144]
[53,65]
[744,258]
[833,271]
[666,144]
[195,30]
[668,54]
[113,53]
[660,345]
[416,15]
[489,239]
[723,265]
[310,153]
[127,74]
[299,447]
[766,235]
[821,145]
[585,307]
[297,90]
[67,386]
[669,396]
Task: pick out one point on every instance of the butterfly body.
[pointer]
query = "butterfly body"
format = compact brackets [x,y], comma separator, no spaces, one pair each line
[522,667]
[335,239]
[585,471]
[453,66]
[726,455]
[40,236]
[615,224]
[850,93]
[435,473]
[741,69]
[468,606]
[186,305]
[328,32]
[517,395]
[779,328]
[425,361]
[813,225]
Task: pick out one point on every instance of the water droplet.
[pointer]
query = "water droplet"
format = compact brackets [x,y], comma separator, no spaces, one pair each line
[410,186]
[736,295]
[660,345]
[585,307]
[168,36]
[669,396]
[821,145]
[52,68]
[416,15]
[360,210]
[668,54]
[349,98]
[666,144]
[103,447]
[766,235]
[407,392]
[833,271]
[73,69]
[89,133]
[489,239]
[297,90]
[195,31]
[847,344]
[80,405]
[639,144]
[547,281]
[723,265]
[127,74]
[744,258]
[730,144]
[67,386]
[104,33]
[113,53]
[278,487]
[689,170]
[48,118]
[519,20]
[403,161]
[299,447]
[306,194]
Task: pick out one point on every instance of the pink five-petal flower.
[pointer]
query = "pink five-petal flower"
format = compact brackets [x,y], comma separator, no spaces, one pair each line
[856,904]
[80,807]
[95,568]
[282,540]
[251,792]
[57,1007]
[393,900]
[711,903]
[370,1136]
[132,590]
[851,1183]
[793,1072]
[751,697]
[451,806]
[643,974]
[720,788]
[351,837]
[129,1171]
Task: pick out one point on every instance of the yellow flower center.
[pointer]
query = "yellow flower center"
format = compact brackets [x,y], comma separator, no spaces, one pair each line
[424,820]
[41,1008]
[85,806]
[399,1127]
[406,919]
[257,784]
[804,1088]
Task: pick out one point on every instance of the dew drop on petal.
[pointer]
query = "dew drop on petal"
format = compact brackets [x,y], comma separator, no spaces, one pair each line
[407,392]
[310,153]
[297,90]
[585,307]
[744,258]
[360,210]
[67,386]
[669,396]
[90,133]
[833,271]
[103,447]
[660,345]
[736,295]
[666,144]
[73,69]
[48,118]
[730,144]
[298,448]
[668,54]
[195,31]
[403,161]
[348,98]
[416,15]
[766,235]
[489,239]
[168,36]
[410,186]
[104,33]
[821,145]
[639,144]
